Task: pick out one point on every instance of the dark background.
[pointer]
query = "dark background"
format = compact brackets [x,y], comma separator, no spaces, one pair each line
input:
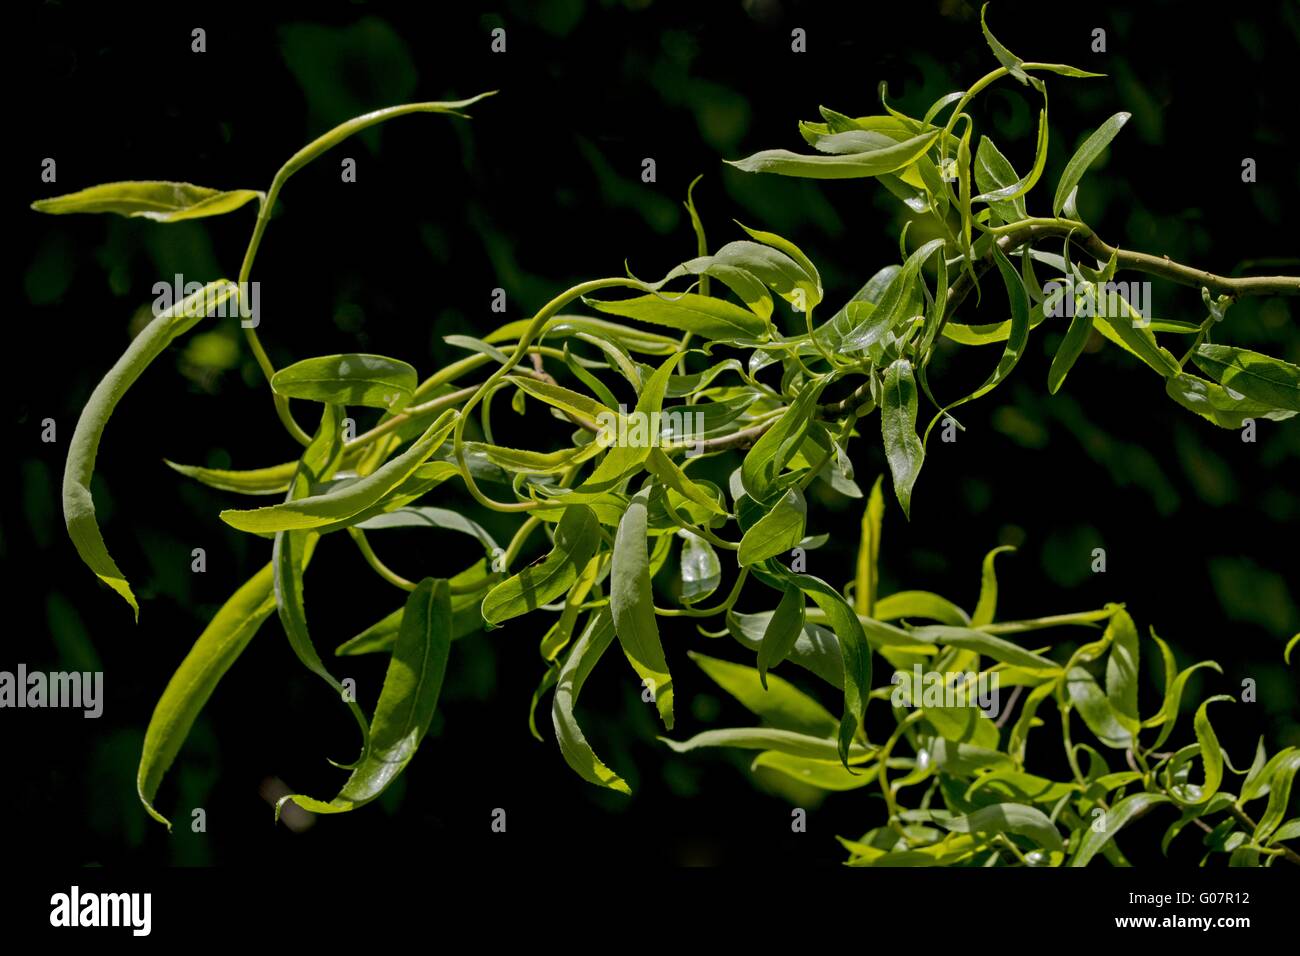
[542,189]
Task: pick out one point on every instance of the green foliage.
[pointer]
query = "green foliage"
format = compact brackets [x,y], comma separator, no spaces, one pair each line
[776,414]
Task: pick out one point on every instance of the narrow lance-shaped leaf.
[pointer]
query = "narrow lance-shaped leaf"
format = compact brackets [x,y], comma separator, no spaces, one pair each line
[406,703]
[1083,157]
[1016,340]
[867,579]
[855,652]
[893,307]
[768,738]
[576,538]
[78,505]
[319,461]
[874,162]
[349,498]
[688,312]
[577,753]
[777,532]
[1010,818]
[254,481]
[1071,347]
[778,703]
[783,630]
[189,689]
[903,449]
[1005,56]
[1122,672]
[987,606]
[1259,377]
[994,171]
[374,381]
[1217,404]
[1121,813]
[1279,795]
[632,603]
[1175,681]
[1015,190]
[1211,756]
[765,461]
[149,199]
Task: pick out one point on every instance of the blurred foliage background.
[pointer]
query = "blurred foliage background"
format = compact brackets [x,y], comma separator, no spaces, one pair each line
[540,190]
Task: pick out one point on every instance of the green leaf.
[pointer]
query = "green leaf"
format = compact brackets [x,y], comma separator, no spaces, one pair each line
[1071,347]
[159,201]
[406,703]
[854,651]
[768,457]
[1122,672]
[468,588]
[1009,818]
[427,517]
[625,456]
[522,461]
[565,399]
[1258,377]
[896,303]
[1096,711]
[777,532]
[1211,756]
[1216,404]
[866,580]
[577,668]
[981,642]
[922,604]
[701,570]
[780,703]
[1257,783]
[1024,787]
[1174,683]
[817,650]
[987,605]
[576,538]
[256,481]
[822,774]
[767,738]
[319,461]
[1005,56]
[632,603]
[1084,156]
[346,499]
[1119,322]
[872,162]
[671,476]
[1014,190]
[1017,339]
[188,690]
[1279,795]
[1120,814]
[993,171]
[701,315]
[78,505]
[811,281]
[563,326]
[783,630]
[903,449]
[374,381]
